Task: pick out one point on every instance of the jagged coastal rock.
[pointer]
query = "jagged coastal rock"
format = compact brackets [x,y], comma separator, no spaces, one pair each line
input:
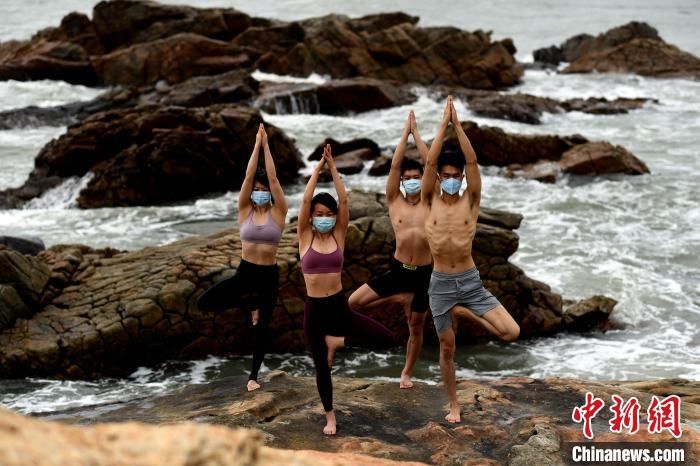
[107,312]
[632,48]
[132,42]
[155,154]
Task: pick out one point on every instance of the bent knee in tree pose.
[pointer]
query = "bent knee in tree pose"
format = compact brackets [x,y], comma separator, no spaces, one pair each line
[329,324]
[262,212]
[455,288]
[408,278]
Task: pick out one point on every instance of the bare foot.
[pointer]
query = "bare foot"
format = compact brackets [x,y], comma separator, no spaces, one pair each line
[453,416]
[405,381]
[330,424]
[253,385]
[333,344]
[254,317]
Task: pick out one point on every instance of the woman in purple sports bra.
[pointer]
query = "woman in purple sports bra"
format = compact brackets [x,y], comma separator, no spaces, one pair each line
[262,211]
[329,324]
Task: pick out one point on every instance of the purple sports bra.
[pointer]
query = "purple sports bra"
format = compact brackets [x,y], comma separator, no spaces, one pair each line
[315,262]
[268,233]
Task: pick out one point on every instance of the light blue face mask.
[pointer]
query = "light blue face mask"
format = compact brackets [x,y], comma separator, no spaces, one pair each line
[260,197]
[451,185]
[411,186]
[324,224]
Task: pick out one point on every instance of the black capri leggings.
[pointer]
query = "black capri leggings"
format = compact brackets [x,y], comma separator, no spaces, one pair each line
[332,316]
[252,287]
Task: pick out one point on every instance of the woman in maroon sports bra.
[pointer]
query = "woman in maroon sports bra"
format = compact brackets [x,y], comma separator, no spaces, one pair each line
[329,323]
[262,211]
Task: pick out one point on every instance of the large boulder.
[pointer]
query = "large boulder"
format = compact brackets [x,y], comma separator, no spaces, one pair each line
[632,48]
[172,59]
[518,421]
[109,312]
[598,158]
[581,44]
[121,23]
[645,57]
[156,154]
[42,59]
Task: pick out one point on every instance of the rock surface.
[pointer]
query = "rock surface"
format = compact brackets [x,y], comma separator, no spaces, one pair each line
[25,441]
[132,42]
[155,154]
[515,421]
[542,157]
[109,312]
[23,279]
[632,48]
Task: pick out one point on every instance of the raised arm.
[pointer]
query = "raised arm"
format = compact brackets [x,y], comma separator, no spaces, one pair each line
[473,175]
[420,144]
[275,187]
[393,181]
[304,229]
[343,216]
[244,202]
[428,186]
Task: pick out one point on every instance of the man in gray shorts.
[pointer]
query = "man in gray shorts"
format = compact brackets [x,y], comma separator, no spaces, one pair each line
[455,286]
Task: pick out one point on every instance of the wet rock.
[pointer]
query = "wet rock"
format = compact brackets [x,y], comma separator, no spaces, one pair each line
[23,279]
[645,57]
[588,313]
[394,48]
[111,311]
[369,149]
[598,158]
[42,59]
[545,171]
[121,23]
[581,44]
[173,59]
[526,108]
[381,166]
[513,420]
[146,42]
[156,154]
[336,97]
[23,244]
[632,48]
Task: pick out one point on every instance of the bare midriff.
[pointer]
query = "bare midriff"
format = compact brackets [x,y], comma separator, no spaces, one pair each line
[321,285]
[258,253]
[450,230]
[409,228]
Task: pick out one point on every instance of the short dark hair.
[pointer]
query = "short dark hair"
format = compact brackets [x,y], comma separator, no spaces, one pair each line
[261,176]
[411,164]
[451,158]
[326,200]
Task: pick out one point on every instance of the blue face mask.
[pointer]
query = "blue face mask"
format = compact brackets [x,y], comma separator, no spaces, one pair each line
[324,224]
[260,197]
[411,186]
[451,185]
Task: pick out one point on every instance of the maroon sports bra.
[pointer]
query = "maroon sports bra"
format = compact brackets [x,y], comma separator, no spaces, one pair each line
[315,262]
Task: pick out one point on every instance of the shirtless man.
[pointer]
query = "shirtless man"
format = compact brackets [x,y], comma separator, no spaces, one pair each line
[409,275]
[455,289]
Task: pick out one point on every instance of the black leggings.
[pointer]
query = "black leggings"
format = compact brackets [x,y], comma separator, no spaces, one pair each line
[332,316]
[252,287]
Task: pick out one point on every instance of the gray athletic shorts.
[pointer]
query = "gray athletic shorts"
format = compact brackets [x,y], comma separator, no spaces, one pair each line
[448,290]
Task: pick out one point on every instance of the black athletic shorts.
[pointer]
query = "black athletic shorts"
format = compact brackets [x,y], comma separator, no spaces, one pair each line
[402,278]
